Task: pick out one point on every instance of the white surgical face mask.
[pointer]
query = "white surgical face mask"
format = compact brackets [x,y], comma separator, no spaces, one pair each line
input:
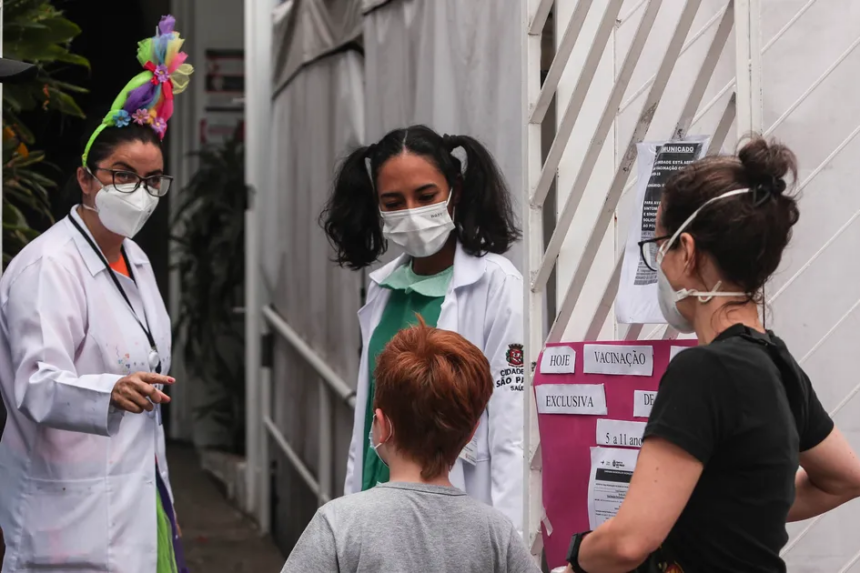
[669,304]
[375,447]
[669,297]
[122,210]
[419,232]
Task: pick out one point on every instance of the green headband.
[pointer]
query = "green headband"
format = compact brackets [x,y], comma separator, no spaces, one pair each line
[115,117]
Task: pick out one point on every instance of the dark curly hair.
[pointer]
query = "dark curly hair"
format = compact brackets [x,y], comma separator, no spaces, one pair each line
[745,234]
[484,218]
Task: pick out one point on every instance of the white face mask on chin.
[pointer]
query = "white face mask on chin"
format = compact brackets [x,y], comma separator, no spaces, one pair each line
[419,232]
[123,211]
[669,297]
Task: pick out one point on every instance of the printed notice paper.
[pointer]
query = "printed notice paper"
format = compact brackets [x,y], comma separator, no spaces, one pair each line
[558,360]
[673,352]
[620,433]
[582,399]
[611,470]
[642,402]
[657,161]
[568,432]
[618,360]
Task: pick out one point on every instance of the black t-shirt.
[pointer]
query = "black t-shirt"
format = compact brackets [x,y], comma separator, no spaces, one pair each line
[744,408]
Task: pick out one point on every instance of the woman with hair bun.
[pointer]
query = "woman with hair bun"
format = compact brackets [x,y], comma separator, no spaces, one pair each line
[737,443]
[453,221]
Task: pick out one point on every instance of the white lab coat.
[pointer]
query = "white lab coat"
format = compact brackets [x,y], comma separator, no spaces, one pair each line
[78,477]
[484,304]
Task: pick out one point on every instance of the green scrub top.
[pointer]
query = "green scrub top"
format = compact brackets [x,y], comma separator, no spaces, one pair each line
[411,294]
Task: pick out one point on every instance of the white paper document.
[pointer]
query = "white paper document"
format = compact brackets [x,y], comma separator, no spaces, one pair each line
[609,479]
[618,360]
[657,161]
[675,350]
[620,433]
[558,360]
[643,401]
[581,399]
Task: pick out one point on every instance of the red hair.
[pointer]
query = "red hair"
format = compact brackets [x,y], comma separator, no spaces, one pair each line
[433,385]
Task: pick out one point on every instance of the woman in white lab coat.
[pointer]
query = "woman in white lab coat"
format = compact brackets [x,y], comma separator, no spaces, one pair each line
[84,353]
[453,220]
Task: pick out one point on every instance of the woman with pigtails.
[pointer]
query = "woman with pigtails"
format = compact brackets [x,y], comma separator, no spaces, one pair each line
[442,201]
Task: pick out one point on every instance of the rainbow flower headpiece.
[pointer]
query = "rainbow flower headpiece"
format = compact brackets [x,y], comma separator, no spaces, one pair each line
[148,98]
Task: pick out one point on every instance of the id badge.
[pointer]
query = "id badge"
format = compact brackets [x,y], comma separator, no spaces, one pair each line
[160,388]
[470,452]
[156,411]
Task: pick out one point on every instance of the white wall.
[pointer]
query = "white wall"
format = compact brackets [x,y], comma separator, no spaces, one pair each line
[809,313]
[568,170]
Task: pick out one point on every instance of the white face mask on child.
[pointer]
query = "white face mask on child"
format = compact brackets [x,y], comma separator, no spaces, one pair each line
[375,447]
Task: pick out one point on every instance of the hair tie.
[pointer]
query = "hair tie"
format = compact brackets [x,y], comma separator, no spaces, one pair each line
[368,161]
[768,189]
[778,186]
[451,142]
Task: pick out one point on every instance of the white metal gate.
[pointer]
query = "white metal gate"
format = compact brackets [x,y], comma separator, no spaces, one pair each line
[626,71]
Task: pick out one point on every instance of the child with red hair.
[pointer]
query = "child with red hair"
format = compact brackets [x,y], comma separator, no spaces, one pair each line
[431,388]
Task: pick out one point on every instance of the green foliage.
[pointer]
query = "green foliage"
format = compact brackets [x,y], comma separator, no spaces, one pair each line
[33,31]
[209,233]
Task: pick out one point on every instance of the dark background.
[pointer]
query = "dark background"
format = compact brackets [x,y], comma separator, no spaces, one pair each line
[111,30]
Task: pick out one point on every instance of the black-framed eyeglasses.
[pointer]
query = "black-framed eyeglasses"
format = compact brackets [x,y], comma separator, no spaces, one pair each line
[155,185]
[648,250]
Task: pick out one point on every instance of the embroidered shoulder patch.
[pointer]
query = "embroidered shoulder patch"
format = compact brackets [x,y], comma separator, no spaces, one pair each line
[514,355]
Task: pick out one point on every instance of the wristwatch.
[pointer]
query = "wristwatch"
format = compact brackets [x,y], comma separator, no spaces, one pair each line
[573,552]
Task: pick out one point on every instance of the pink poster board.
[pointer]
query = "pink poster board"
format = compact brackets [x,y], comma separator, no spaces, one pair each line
[567,439]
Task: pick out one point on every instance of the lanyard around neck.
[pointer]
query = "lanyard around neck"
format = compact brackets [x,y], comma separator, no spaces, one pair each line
[154,359]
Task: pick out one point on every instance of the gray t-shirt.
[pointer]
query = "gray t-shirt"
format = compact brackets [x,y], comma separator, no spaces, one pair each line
[409,528]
